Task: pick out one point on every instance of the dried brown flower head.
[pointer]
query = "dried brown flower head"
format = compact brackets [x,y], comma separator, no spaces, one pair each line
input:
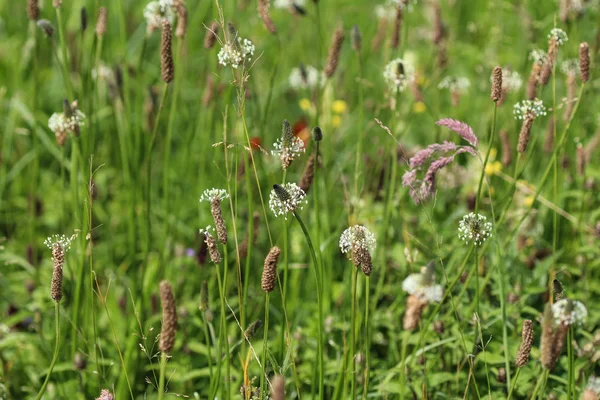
[33,10]
[269,275]
[167,67]
[497,84]
[101,22]
[210,37]
[169,317]
[526,343]
[584,61]
[334,52]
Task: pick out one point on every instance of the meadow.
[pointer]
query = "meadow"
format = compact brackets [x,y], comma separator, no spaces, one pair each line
[299,199]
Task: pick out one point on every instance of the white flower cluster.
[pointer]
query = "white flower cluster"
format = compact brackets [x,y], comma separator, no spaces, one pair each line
[570,66]
[398,74]
[511,80]
[528,108]
[236,53]
[415,285]
[569,312]
[455,84]
[155,11]
[538,56]
[357,236]
[306,77]
[291,149]
[214,194]
[286,4]
[103,72]
[58,240]
[593,384]
[207,231]
[59,123]
[558,35]
[474,228]
[286,198]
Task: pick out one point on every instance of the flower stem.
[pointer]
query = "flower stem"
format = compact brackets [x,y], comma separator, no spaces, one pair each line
[161,380]
[263,388]
[368,337]
[56,346]
[319,301]
[353,333]
[512,388]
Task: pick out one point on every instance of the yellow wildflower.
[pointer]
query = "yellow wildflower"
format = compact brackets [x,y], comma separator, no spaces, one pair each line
[339,106]
[305,104]
[493,168]
[528,201]
[419,107]
[336,121]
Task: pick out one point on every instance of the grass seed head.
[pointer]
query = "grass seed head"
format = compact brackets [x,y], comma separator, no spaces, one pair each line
[101,22]
[547,340]
[413,313]
[308,175]
[33,9]
[496,84]
[169,317]
[167,67]
[526,343]
[333,57]
[46,27]
[278,385]
[584,61]
[356,37]
[182,20]
[263,13]
[397,28]
[317,134]
[210,37]
[269,275]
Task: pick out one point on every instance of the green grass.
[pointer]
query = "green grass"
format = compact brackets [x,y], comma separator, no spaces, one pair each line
[128,187]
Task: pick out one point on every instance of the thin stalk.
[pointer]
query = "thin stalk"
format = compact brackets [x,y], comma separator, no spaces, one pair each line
[554,192]
[161,379]
[353,333]
[80,271]
[403,384]
[286,267]
[63,48]
[264,389]
[319,300]
[512,388]
[55,356]
[571,368]
[208,347]
[222,334]
[91,263]
[476,269]
[361,133]
[368,337]
[224,320]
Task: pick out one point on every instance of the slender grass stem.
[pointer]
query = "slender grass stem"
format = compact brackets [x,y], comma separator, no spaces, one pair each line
[353,333]
[56,347]
[361,133]
[320,303]
[263,388]
[63,48]
[571,366]
[368,338]
[161,379]
[514,384]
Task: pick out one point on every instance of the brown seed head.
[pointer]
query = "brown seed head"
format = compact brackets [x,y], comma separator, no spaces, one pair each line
[269,275]
[166,54]
[46,27]
[33,10]
[532,82]
[581,160]
[525,133]
[58,260]
[497,84]
[584,61]
[547,340]
[550,61]
[439,30]
[334,52]
[356,37]
[169,317]
[263,13]
[215,209]
[209,91]
[56,3]
[526,343]
[79,361]
[549,141]
[414,310]
[182,20]
[506,148]
[558,344]
[213,248]
[101,22]
[308,175]
[210,37]
[278,388]
[397,28]
[559,291]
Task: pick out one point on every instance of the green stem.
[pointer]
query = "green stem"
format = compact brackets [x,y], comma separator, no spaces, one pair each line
[361,133]
[55,356]
[353,333]
[571,368]
[161,381]
[368,338]
[63,48]
[512,388]
[263,388]
[319,300]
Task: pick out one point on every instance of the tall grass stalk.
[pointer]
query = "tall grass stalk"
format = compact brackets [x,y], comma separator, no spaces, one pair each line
[514,384]
[318,275]
[264,389]
[368,338]
[161,379]
[571,365]
[361,134]
[353,332]
[63,48]
[554,192]
[56,347]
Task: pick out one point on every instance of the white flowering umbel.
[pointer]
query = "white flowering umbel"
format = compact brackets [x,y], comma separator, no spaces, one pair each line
[558,35]
[237,52]
[211,195]
[286,4]
[306,77]
[358,243]
[286,198]
[398,74]
[68,121]
[529,108]
[474,228]
[423,285]
[455,84]
[288,146]
[569,312]
[156,11]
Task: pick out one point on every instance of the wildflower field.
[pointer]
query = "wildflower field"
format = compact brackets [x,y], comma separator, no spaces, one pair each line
[299,199]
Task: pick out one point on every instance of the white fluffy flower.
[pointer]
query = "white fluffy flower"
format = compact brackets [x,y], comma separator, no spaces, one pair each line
[474,228]
[214,194]
[306,77]
[570,66]
[528,108]
[286,4]
[207,231]
[455,84]
[569,312]
[286,198]
[593,385]
[58,240]
[59,123]
[417,285]
[357,236]
[538,56]
[236,53]
[558,35]
[398,74]
[155,11]
[511,80]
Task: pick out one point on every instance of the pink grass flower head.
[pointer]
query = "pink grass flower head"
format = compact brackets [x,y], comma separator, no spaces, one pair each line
[423,189]
[105,395]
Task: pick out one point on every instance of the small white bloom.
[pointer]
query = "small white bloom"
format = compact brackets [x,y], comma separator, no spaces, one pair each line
[306,77]
[58,240]
[474,228]
[538,56]
[528,108]
[511,80]
[103,73]
[593,384]
[455,84]
[569,312]
[570,66]
[357,236]
[286,198]
[207,231]
[288,146]
[59,123]
[398,74]
[236,53]
[214,194]
[155,11]
[286,4]
[387,12]
[416,285]
[558,35]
